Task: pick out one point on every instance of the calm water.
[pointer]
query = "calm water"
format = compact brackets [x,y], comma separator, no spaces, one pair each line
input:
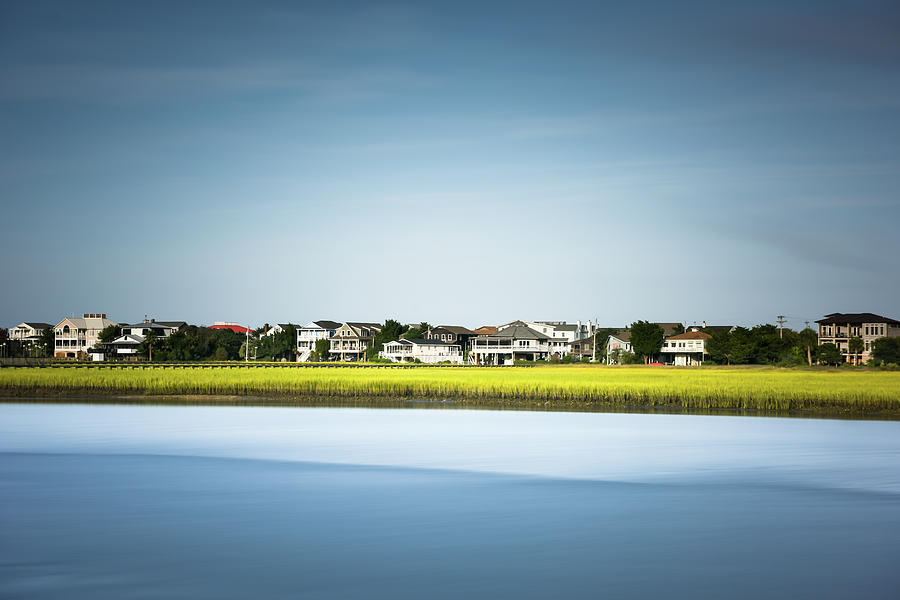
[100,501]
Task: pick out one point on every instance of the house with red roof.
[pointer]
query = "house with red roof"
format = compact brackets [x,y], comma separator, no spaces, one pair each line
[232,326]
[685,349]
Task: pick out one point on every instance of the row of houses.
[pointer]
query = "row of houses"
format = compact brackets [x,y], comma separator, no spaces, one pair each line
[487,345]
[76,337]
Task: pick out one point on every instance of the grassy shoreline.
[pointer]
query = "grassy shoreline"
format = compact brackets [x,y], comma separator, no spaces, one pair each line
[766,390]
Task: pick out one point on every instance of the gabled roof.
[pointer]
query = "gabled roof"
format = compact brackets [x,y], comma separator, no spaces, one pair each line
[129,339]
[855,319]
[364,324]
[622,336]
[35,325]
[322,324]
[88,322]
[147,325]
[519,332]
[690,335]
[485,330]
[356,327]
[512,324]
[175,324]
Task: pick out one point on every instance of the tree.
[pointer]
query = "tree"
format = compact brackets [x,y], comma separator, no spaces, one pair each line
[48,341]
[886,350]
[678,328]
[719,347]
[145,349]
[856,346]
[416,331]
[808,340]
[108,334]
[829,354]
[390,332]
[278,345]
[646,339]
[323,349]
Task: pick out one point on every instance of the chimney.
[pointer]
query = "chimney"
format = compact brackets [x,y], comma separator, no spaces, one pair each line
[704,324]
[153,320]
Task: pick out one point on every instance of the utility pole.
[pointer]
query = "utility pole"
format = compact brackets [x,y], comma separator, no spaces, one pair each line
[781,326]
[247,347]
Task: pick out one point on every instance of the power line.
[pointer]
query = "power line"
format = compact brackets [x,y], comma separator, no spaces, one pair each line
[781,326]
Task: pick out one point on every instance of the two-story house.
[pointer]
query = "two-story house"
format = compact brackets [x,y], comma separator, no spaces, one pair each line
[429,351]
[352,339]
[451,334]
[29,332]
[685,349]
[514,341]
[839,328]
[312,332]
[132,336]
[75,336]
[620,343]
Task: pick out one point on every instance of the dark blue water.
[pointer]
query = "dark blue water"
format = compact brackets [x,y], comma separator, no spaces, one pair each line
[182,502]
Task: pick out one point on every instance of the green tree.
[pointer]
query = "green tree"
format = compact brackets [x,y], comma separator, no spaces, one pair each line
[719,347]
[416,331]
[741,349]
[829,354]
[807,341]
[678,328]
[886,350]
[390,332]
[277,346]
[148,346]
[323,349]
[856,346]
[646,339]
[48,341]
[108,334]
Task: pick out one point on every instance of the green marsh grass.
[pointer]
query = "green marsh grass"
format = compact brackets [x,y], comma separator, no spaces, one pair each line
[563,386]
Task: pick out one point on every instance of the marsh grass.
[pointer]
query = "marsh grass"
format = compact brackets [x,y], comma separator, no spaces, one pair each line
[563,386]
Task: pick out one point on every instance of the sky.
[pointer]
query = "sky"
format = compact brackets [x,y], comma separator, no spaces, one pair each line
[462,163]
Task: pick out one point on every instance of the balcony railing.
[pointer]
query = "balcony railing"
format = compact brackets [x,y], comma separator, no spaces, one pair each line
[500,346]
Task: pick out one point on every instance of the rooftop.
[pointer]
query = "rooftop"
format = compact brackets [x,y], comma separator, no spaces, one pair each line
[690,335]
[855,319]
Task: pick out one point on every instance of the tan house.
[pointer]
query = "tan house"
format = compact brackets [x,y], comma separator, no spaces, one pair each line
[351,340]
[685,349]
[839,328]
[75,336]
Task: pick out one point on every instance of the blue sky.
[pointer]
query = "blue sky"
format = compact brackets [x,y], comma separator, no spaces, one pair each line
[456,163]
